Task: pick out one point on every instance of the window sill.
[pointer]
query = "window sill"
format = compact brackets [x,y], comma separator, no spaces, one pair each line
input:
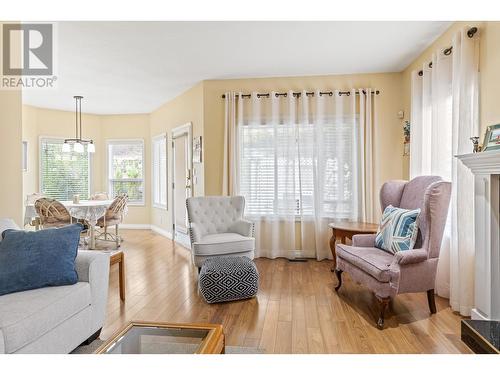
[136,204]
[160,207]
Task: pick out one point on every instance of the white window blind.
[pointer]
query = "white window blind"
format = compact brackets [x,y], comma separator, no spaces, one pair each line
[160,171]
[63,174]
[126,169]
[288,169]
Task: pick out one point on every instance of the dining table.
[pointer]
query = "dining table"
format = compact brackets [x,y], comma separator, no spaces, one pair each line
[89,211]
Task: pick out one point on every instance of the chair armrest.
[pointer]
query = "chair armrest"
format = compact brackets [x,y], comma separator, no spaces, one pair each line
[243,227]
[93,267]
[410,256]
[363,240]
[194,233]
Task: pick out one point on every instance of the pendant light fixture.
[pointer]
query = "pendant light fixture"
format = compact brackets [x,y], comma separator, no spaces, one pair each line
[78,142]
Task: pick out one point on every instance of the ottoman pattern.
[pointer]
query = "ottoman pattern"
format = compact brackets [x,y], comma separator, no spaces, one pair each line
[228,279]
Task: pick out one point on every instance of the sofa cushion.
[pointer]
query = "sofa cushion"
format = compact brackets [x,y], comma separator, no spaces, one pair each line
[223,243]
[26,316]
[30,260]
[5,224]
[398,229]
[373,261]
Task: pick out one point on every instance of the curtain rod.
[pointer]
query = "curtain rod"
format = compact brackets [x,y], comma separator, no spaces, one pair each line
[298,94]
[447,51]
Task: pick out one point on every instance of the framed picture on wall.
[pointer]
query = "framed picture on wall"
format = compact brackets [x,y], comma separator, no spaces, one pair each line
[492,138]
[197,149]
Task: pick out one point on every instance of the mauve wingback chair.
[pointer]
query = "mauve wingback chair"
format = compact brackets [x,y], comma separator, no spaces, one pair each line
[408,271]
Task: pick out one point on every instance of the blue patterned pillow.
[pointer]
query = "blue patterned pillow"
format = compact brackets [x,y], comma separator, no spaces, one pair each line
[398,229]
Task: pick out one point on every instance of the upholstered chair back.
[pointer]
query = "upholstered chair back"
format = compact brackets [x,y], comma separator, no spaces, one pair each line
[215,214]
[429,193]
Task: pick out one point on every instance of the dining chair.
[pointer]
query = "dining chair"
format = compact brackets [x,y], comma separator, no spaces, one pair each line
[30,215]
[52,213]
[113,216]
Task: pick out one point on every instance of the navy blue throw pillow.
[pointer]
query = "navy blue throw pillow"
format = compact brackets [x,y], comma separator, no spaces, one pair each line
[31,260]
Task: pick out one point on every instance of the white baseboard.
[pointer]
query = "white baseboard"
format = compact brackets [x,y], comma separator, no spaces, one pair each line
[161,231]
[135,226]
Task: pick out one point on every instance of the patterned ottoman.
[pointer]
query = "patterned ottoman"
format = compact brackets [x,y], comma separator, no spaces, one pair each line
[228,279]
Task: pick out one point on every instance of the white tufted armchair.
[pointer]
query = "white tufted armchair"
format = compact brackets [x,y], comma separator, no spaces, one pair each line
[217,228]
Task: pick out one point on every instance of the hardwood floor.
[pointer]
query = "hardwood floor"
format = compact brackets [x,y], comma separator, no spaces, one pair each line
[296,310]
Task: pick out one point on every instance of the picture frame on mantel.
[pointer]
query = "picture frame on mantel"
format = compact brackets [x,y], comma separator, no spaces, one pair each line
[492,138]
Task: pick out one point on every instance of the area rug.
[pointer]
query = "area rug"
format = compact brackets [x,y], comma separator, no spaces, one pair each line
[171,349]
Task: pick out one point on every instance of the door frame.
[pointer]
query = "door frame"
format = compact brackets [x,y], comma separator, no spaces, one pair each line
[179,131]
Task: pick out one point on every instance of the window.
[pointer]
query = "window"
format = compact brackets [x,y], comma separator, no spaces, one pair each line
[63,174]
[289,169]
[126,169]
[160,171]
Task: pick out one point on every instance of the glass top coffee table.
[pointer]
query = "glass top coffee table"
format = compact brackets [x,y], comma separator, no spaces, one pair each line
[165,338]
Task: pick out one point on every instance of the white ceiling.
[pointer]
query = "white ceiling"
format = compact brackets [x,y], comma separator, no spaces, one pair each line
[134,67]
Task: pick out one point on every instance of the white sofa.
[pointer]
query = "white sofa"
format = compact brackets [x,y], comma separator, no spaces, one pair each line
[57,319]
[217,228]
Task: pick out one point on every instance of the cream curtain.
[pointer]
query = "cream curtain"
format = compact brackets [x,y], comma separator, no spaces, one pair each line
[465,124]
[230,172]
[300,161]
[443,118]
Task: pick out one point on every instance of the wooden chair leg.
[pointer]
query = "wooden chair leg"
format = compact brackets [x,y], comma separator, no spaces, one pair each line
[338,273]
[383,303]
[431,301]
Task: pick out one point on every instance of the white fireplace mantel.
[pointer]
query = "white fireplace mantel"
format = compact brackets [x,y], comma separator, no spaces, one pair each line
[486,169]
[487,162]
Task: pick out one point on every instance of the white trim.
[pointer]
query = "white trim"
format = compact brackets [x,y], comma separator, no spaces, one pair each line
[180,131]
[155,138]
[161,231]
[487,162]
[24,151]
[124,141]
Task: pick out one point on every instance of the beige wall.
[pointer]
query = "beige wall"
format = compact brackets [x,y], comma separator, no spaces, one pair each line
[40,122]
[11,179]
[187,107]
[489,66]
[388,134]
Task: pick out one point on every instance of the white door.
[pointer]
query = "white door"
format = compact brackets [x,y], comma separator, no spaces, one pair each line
[181,181]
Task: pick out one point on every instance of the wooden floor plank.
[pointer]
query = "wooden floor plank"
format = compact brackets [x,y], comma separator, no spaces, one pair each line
[295,311]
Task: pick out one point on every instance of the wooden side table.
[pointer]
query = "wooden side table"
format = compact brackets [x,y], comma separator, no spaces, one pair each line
[119,257]
[346,229]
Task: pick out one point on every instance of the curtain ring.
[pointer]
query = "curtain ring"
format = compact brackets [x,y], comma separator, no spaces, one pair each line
[330,93]
[447,51]
[348,93]
[471,32]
